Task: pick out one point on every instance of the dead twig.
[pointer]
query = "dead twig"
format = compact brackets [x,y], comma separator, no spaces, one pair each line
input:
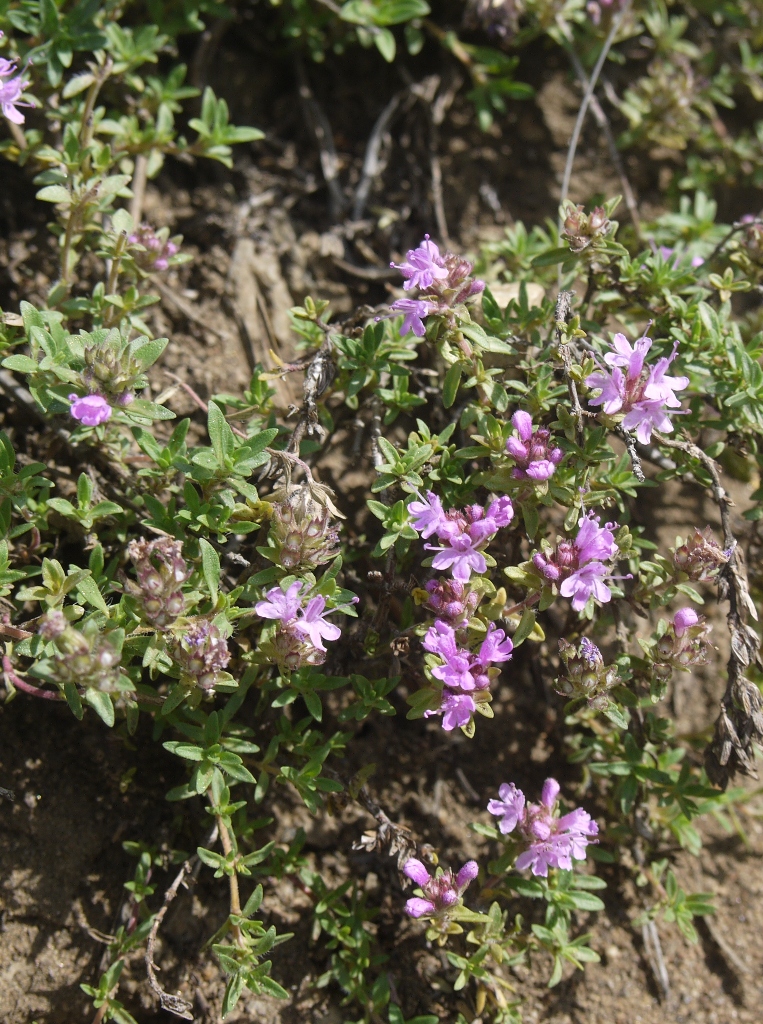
[200,401]
[186,308]
[740,722]
[174,1004]
[371,163]
[630,444]
[603,121]
[587,95]
[320,127]
[655,959]
[139,180]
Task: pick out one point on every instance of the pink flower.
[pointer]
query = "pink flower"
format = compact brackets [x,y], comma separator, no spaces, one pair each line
[550,841]
[683,619]
[280,605]
[642,392]
[441,892]
[463,533]
[578,566]
[11,91]
[313,623]
[90,410]
[535,458]
[422,266]
[414,310]
[428,515]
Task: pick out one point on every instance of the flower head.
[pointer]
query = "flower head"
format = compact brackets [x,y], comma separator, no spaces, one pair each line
[701,557]
[642,393]
[203,654]
[91,410]
[532,450]
[587,675]
[578,566]
[161,570]
[422,266]
[549,841]
[301,630]
[463,533]
[12,87]
[441,891]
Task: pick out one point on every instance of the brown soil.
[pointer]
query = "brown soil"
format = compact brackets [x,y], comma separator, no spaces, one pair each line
[264,239]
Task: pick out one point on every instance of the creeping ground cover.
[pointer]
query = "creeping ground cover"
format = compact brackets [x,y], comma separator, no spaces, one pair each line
[380,503]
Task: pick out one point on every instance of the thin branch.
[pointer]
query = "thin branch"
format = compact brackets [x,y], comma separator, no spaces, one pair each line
[186,308]
[562,315]
[235,898]
[10,676]
[653,950]
[587,95]
[630,444]
[174,1004]
[740,722]
[200,401]
[738,225]
[603,122]
[139,180]
[371,161]
[320,128]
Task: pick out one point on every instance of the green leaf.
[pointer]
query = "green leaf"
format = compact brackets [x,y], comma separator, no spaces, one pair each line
[451,384]
[551,258]
[385,44]
[525,627]
[102,705]
[210,566]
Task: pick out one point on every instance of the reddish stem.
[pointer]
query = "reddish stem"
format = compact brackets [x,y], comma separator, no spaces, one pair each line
[19,683]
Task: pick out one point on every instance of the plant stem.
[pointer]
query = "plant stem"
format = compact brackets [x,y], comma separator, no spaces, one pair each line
[235,898]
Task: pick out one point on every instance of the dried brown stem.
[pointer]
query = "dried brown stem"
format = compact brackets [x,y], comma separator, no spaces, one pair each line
[235,897]
[174,1004]
[740,722]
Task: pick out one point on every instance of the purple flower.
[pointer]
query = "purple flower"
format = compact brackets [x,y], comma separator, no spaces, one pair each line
[642,392]
[423,266]
[509,807]
[450,600]
[594,541]
[280,605]
[460,556]
[301,631]
[535,458]
[550,841]
[11,91]
[440,892]
[90,410]
[414,311]
[495,647]
[313,623]
[463,533]
[578,566]
[462,670]
[428,515]
[683,619]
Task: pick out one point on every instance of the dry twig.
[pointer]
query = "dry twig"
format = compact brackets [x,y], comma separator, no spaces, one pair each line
[740,722]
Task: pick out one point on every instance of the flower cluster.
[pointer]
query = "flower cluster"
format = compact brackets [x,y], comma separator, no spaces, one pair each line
[445,278]
[642,393]
[440,892]
[466,675]
[587,675]
[301,631]
[550,842]
[683,644]
[463,533]
[83,657]
[451,601]
[301,533]
[532,451]
[91,410]
[154,250]
[582,229]
[202,653]
[577,566]
[701,557]
[160,569]
[12,85]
